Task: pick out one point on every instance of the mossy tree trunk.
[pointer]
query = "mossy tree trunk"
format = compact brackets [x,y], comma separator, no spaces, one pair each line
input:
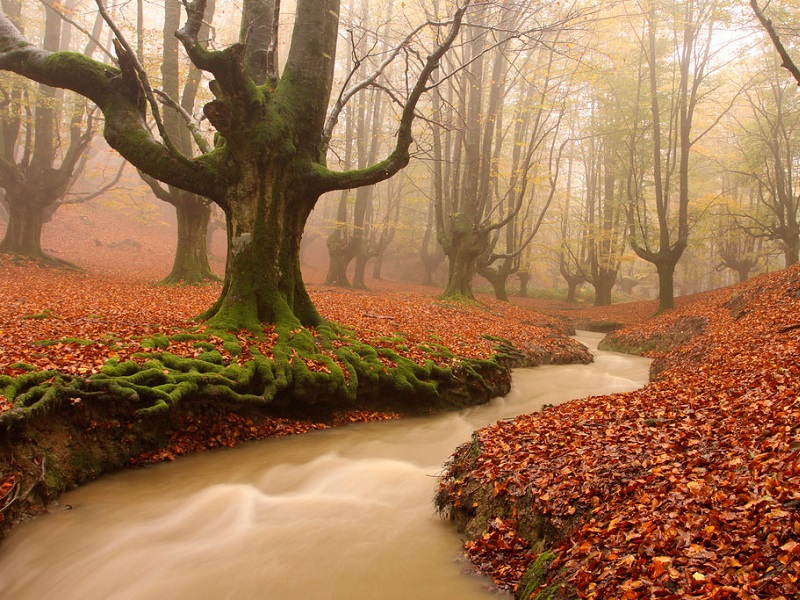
[266,217]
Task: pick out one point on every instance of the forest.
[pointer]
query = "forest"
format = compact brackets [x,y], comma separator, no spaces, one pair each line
[230,220]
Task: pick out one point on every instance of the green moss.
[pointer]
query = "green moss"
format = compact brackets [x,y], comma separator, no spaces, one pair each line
[233,348]
[20,366]
[188,337]
[53,479]
[213,356]
[156,341]
[45,314]
[534,577]
[114,368]
[79,341]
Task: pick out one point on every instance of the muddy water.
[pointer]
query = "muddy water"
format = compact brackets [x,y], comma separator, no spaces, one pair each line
[340,514]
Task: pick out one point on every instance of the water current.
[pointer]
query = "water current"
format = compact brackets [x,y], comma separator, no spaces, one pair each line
[341,514]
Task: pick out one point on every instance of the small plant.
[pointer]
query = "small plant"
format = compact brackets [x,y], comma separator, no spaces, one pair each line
[45,314]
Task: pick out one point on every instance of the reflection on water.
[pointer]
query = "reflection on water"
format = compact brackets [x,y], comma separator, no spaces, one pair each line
[339,514]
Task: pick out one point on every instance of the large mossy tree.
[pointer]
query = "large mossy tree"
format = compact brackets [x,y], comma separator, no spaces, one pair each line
[268,168]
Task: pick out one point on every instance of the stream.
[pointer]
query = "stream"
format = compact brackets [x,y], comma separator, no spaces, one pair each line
[340,514]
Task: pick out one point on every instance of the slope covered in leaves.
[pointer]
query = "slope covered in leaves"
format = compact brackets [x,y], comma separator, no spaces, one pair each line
[688,488]
[74,322]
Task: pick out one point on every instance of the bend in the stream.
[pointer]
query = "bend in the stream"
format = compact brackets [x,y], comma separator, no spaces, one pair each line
[342,514]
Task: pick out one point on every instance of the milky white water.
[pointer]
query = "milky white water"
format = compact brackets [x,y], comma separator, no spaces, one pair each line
[345,513]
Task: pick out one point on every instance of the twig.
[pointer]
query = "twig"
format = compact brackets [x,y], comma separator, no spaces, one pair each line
[27,493]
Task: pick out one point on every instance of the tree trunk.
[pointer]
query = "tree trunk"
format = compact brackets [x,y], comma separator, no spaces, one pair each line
[377,267]
[573,280]
[572,289]
[666,282]
[524,279]
[268,211]
[339,257]
[498,277]
[791,250]
[24,231]
[463,251]
[340,247]
[360,270]
[743,272]
[191,255]
[499,286]
[603,285]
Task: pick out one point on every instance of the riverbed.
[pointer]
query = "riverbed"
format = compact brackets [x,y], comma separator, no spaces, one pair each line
[340,514]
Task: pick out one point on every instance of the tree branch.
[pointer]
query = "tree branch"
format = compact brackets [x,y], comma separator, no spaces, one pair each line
[125,130]
[786,60]
[399,157]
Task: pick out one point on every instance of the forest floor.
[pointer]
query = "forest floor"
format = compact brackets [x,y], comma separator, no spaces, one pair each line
[686,488]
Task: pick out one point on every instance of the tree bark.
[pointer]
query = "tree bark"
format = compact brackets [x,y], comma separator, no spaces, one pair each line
[25,222]
[191,254]
[603,286]
[665,266]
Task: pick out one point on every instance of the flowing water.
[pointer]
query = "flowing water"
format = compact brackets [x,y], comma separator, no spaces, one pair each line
[345,513]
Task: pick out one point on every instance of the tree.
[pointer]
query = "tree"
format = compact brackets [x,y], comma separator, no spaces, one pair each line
[677,51]
[348,241]
[486,188]
[35,171]
[268,167]
[769,148]
[193,212]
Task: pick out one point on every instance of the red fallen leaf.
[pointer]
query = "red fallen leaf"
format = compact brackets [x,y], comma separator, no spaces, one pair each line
[660,564]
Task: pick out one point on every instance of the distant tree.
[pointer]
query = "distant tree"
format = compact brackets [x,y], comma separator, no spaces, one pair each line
[677,55]
[193,212]
[350,237]
[36,166]
[769,151]
[493,154]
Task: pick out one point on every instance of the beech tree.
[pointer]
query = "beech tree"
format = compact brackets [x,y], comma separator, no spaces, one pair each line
[268,167]
[36,166]
[488,205]
[193,212]
[678,59]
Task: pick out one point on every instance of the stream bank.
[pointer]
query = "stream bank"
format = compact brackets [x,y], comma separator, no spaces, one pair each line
[74,442]
[339,514]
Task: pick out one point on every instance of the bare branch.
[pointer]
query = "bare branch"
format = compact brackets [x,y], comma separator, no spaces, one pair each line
[786,60]
[51,4]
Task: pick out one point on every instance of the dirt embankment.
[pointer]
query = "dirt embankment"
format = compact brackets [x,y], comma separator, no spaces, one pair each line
[688,488]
